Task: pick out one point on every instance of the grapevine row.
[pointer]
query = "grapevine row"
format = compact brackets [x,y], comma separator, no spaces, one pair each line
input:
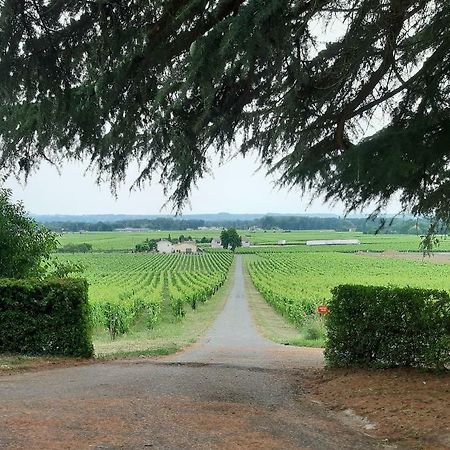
[295,284]
[128,287]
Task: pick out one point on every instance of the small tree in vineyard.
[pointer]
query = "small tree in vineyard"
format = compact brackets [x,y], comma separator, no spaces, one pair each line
[149,245]
[230,239]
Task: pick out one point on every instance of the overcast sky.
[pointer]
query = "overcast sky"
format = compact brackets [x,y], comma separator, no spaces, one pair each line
[236,187]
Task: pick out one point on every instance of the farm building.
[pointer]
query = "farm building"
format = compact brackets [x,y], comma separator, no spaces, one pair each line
[255,229]
[216,243]
[164,246]
[334,242]
[282,242]
[186,247]
[246,242]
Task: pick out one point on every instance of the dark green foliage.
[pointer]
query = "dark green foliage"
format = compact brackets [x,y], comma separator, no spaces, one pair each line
[165,81]
[388,327]
[76,248]
[149,245]
[64,269]
[45,317]
[230,239]
[25,246]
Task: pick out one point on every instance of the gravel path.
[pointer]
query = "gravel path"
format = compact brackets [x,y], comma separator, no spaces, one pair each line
[233,390]
[233,339]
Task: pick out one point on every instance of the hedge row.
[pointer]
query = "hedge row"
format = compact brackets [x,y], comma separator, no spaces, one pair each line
[388,327]
[45,317]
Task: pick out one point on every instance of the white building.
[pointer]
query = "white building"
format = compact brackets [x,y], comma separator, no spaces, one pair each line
[246,242]
[164,246]
[216,243]
[186,247]
[282,242]
[255,229]
[334,242]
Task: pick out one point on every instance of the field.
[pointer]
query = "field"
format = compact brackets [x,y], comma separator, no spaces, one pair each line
[134,291]
[126,241]
[131,292]
[295,283]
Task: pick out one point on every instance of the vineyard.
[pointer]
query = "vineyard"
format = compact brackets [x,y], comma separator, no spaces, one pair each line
[139,291]
[295,283]
[127,288]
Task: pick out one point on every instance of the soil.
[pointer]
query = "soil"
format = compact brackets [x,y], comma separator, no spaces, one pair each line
[12,364]
[417,256]
[410,407]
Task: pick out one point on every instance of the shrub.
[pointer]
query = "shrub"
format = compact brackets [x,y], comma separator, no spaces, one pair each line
[45,317]
[388,327]
[149,245]
[314,330]
[75,248]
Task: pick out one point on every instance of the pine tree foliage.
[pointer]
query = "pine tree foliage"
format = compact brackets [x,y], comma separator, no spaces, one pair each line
[169,82]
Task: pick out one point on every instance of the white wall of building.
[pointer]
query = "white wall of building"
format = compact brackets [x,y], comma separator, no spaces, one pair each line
[164,247]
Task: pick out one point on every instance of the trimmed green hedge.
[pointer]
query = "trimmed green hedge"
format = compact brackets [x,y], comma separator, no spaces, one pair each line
[49,317]
[388,327]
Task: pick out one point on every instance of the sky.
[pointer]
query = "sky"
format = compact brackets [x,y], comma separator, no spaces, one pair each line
[236,187]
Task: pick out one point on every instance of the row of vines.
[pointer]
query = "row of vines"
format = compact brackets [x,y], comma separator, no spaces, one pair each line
[295,284]
[126,288]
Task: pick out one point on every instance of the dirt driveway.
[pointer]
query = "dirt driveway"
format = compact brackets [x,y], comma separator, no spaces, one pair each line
[233,390]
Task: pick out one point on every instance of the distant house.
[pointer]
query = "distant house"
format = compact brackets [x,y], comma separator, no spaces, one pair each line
[282,242]
[216,243]
[334,242]
[186,247]
[246,242]
[164,246]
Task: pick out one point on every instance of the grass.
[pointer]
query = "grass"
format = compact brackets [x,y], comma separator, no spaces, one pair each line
[170,335]
[272,325]
[10,363]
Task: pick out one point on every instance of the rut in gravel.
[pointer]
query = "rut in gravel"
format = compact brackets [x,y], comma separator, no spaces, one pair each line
[233,389]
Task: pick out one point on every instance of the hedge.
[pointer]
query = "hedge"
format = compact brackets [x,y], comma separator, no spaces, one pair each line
[373,326]
[49,317]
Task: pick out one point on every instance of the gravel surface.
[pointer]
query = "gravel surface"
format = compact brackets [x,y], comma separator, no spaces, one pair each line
[232,390]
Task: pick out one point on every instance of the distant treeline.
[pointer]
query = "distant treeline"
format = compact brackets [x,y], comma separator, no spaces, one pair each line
[398,225]
[166,224]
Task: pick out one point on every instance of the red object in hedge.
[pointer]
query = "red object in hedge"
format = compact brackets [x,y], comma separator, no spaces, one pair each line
[323,309]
